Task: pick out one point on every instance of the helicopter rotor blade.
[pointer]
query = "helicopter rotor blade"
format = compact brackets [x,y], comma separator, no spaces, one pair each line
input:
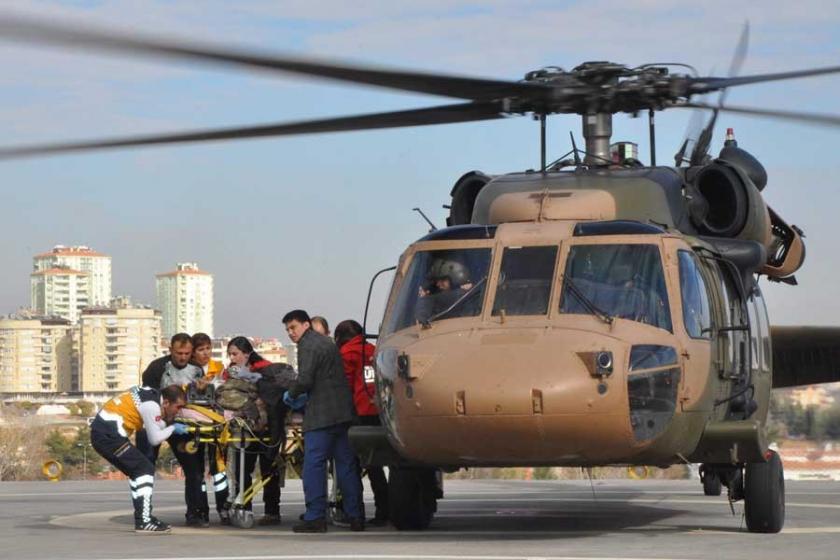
[810,118]
[27,30]
[703,85]
[704,140]
[445,114]
[738,58]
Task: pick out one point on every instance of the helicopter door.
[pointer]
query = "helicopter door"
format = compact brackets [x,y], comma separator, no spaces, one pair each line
[731,331]
[697,322]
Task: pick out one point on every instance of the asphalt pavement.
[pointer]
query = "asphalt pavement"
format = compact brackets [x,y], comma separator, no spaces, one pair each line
[477,520]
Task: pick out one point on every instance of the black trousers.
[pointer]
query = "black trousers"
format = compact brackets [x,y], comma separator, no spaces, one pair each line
[116,448]
[195,496]
[268,467]
[221,487]
[376,476]
[267,455]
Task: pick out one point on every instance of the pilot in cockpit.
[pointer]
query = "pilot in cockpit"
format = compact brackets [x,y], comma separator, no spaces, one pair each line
[448,281]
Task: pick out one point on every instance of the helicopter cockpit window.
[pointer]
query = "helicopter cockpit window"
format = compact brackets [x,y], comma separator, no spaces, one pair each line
[621,281]
[695,299]
[525,281]
[441,285]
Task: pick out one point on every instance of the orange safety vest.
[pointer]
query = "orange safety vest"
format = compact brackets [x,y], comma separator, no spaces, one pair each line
[124,408]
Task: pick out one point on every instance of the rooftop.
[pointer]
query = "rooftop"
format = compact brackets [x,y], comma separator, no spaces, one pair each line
[73,251]
[59,271]
[185,269]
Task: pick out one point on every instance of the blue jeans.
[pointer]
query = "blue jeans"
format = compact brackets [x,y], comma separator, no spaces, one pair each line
[320,446]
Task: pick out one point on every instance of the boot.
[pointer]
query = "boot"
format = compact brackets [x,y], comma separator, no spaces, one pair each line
[141,497]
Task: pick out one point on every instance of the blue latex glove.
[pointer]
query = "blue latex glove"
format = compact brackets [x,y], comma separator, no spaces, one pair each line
[180,429]
[295,403]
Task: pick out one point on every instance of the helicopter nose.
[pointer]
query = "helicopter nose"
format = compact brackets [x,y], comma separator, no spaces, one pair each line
[537,396]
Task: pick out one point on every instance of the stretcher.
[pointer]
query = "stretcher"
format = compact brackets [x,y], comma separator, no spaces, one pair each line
[232,437]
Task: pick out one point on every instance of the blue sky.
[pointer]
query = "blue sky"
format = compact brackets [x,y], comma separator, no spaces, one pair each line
[305,222]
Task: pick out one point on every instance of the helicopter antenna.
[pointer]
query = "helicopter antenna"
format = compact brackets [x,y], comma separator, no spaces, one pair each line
[542,142]
[652,132]
[432,226]
[575,149]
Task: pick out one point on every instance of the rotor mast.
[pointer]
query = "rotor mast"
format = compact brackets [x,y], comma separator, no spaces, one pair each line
[597,131]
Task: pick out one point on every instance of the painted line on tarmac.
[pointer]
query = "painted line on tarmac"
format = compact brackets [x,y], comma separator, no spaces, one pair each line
[390,557]
[451,496]
[53,495]
[709,501]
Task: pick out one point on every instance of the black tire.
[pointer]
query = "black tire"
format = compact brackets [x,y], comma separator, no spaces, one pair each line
[411,498]
[764,495]
[711,484]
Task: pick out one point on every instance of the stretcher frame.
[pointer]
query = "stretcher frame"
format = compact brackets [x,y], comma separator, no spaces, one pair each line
[234,436]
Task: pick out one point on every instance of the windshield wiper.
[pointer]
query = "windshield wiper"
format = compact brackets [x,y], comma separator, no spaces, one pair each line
[428,322]
[587,303]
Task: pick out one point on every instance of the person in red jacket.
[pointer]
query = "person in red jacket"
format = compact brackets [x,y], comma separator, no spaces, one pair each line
[349,338]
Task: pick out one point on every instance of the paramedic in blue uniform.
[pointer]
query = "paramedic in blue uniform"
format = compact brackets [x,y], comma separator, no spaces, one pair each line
[149,410]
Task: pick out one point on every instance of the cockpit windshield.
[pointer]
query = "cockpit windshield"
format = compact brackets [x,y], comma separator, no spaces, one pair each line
[622,281]
[440,285]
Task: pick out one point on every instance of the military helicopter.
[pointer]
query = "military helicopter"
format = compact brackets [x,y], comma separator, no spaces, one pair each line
[595,311]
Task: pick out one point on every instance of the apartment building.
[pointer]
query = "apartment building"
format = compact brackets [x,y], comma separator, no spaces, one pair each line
[185,300]
[36,354]
[116,343]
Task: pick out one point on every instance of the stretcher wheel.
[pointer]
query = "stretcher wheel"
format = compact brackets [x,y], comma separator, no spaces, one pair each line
[242,518]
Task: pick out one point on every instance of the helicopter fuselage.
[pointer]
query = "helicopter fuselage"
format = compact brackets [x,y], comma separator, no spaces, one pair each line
[527,370]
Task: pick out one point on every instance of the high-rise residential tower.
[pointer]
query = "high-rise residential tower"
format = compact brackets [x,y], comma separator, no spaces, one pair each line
[82,259]
[60,292]
[185,300]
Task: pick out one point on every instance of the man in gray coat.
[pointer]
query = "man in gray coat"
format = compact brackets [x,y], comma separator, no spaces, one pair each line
[329,414]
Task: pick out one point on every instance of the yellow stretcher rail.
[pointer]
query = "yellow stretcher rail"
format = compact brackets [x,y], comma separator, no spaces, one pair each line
[235,431]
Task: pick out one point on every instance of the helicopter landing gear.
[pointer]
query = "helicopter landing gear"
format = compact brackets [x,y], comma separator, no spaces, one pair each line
[712,485]
[764,495]
[412,497]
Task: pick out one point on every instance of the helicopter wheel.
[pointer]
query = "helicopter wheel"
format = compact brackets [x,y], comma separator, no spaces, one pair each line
[764,495]
[712,485]
[412,497]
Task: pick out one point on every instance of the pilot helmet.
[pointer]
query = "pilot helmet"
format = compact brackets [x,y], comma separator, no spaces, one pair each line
[457,273]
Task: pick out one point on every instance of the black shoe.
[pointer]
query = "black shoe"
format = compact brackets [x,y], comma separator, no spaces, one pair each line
[152,527]
[314,526]
[197,521]
[377,521]
[269,519]
[224,516]
[357,524]
[301,516]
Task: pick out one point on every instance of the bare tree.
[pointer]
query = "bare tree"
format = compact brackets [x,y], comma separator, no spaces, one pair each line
[21,449]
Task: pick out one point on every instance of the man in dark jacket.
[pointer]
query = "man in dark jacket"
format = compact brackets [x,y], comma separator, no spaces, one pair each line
[176,369]
[329,413]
